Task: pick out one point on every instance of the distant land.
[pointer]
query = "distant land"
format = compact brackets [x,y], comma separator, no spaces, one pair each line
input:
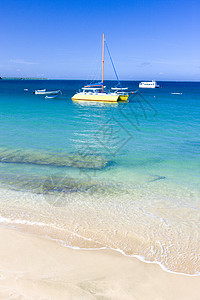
[83,79]
[22,78]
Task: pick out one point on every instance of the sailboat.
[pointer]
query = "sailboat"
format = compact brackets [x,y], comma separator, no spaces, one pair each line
[96,92]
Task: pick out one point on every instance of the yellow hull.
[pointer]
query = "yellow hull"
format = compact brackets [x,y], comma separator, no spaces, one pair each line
[99,97]
[123,97]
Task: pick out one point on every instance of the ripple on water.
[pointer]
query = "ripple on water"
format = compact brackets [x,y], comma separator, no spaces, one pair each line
[152,220]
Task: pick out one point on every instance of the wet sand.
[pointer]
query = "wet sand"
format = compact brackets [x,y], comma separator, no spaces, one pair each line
[32,267]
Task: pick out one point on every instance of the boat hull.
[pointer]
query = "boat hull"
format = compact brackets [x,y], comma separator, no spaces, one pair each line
[46,93]
[148,84]
[123,97]
[51,96]
[148,87]
[98,97]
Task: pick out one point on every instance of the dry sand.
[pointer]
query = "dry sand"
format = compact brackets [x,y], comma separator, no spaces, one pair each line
[33,267]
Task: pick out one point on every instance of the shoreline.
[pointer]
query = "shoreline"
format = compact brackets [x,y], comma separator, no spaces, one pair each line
[34,266]
[11,225]
[42,224]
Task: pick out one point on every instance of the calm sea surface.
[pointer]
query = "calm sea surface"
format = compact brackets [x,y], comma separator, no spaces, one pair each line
[124,176]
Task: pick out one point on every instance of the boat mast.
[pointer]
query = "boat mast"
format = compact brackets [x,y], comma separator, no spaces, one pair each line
[103,61]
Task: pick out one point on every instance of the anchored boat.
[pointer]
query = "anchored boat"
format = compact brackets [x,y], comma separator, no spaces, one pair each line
[45,92]
[96,92]
[149,84]
[51,96]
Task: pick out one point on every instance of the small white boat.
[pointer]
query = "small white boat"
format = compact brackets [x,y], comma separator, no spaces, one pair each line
[51,96]
[45,92]
[40,92]
[149,84]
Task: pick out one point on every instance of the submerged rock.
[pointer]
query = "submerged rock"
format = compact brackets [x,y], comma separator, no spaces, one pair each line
[54,185]
[75,160]
[157,177]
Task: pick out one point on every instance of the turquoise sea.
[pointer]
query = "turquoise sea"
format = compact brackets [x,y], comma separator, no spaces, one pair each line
[124,176]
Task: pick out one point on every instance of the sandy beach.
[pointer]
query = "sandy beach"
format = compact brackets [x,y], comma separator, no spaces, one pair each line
[32,267]
[100,150]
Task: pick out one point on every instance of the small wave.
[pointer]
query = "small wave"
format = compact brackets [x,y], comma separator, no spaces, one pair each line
[176,93]
[64,244]
[22,222]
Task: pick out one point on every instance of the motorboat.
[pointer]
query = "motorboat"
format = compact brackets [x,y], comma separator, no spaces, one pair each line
[51,96]
[45,92]
[149,84]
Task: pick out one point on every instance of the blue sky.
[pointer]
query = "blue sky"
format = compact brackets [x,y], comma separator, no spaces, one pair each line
[63,39]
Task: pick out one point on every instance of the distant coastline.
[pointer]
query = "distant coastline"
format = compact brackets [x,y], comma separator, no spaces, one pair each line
[83,79]
[22,78]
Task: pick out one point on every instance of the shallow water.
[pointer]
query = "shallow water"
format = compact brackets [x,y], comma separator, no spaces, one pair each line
[122,176]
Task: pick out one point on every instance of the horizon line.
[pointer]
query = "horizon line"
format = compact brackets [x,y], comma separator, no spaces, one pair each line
[41,78]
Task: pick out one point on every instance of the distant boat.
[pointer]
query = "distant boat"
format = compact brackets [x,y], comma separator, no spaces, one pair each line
[149,84]
[96,92]
[45,92]
[51,96]
[40,92]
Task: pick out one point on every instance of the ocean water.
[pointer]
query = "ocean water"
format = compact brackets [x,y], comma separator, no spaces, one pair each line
[123,176]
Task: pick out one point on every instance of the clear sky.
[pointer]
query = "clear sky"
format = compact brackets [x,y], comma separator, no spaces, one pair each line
[148,39]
